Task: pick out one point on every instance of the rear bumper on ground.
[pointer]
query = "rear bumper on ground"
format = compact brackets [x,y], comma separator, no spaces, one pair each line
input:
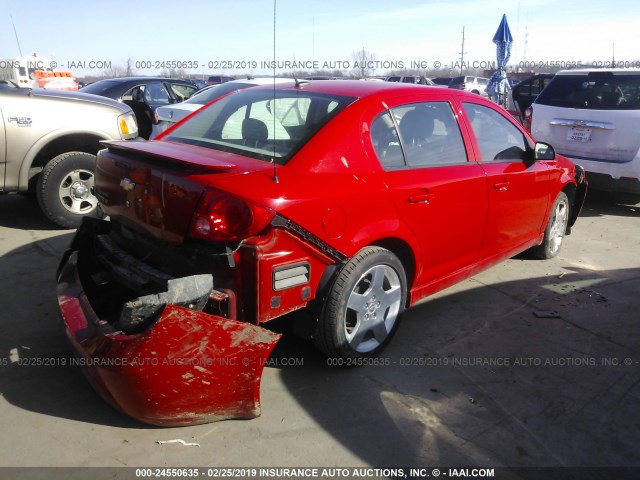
[188,367]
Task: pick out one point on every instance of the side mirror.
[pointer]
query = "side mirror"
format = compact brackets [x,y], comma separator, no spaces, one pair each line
[544,151]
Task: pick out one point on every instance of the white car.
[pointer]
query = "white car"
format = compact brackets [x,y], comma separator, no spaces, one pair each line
[166,116]
[468,83]
[593,118]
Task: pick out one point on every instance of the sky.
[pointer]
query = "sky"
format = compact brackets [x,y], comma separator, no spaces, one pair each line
[237,37]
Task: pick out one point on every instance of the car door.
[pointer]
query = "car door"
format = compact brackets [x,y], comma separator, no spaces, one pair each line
[180,92]
[438,193]
[518,186]
[527,91]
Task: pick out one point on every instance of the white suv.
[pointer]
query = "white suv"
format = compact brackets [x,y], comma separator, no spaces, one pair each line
[593,118]
[471,84]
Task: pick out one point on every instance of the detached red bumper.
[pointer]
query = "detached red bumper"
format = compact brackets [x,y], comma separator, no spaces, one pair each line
[188,368]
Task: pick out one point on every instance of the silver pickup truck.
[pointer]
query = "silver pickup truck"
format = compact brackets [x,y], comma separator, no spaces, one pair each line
[48,142]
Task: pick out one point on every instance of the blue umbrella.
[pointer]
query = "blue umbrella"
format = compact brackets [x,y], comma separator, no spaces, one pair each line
[498,84]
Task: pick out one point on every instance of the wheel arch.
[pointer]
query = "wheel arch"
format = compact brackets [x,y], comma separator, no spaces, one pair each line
[405,254]
[397,246]
[53,145]
[570,190]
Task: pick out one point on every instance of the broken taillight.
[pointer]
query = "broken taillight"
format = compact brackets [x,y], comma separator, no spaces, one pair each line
[528,118]
[222,217]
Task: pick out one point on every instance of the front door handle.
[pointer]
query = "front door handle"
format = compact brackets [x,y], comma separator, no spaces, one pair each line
[502,186]
[421,198]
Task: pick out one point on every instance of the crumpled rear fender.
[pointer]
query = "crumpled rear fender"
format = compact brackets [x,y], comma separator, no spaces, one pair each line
[188,368]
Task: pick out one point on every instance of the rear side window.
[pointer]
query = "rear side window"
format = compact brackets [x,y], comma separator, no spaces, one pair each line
[594,91]
[418,135]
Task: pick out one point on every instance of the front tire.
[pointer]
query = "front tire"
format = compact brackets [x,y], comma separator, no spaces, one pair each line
[64,188]
[363,309]
[555,231]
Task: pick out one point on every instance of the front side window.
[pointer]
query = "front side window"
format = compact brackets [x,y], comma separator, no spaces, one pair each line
[262,124]
[498,139]
[418,135]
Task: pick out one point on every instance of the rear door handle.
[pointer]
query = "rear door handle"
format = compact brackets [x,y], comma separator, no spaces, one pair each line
[502,186]
[421,198]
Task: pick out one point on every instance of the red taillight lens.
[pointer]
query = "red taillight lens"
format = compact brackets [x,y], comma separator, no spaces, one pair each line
[222,217]
[528,117]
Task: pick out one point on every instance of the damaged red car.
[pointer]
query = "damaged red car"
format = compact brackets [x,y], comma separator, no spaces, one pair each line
[343,201]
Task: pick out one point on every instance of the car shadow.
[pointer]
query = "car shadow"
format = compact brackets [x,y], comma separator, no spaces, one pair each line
[600,203]
[23,212]
[448,392]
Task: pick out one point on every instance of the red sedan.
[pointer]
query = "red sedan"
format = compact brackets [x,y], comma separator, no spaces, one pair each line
[347,200]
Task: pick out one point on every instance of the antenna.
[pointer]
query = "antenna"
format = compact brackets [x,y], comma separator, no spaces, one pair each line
[16,34]
[273,159]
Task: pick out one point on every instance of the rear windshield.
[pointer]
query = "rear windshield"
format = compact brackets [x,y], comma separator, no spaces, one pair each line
[594,91]
[264,124]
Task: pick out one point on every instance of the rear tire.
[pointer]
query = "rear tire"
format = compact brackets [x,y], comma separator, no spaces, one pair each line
[363,309]
[64,188]
[555,231]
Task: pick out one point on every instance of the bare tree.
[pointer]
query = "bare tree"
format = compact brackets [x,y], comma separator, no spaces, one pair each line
[129,72]
[120,70]
[174,73]
[363,63]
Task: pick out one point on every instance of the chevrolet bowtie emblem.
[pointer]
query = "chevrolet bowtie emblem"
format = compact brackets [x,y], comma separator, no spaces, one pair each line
[127,184]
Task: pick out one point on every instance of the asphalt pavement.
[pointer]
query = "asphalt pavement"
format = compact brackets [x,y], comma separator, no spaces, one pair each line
[529,364]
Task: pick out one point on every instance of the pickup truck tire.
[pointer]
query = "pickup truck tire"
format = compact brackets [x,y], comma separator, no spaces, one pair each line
[64,188]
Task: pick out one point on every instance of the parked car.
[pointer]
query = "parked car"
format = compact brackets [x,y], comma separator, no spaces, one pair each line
[410,79]
[471,84]
[218,79]
[169,115]
[442,81]
[200,84]
[343,201]
[525,92]
[322,77]
[593,117]
[143,95]
[48,142]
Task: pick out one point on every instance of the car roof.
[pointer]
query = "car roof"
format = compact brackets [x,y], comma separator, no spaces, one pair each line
[360,89]
[615,71]
[261,81]
[138,79]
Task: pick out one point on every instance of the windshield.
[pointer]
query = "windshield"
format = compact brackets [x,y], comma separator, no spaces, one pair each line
[216,91]
[264,124]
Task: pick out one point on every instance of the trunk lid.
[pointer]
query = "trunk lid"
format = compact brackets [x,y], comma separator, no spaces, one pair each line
[155,187]
[609,136]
